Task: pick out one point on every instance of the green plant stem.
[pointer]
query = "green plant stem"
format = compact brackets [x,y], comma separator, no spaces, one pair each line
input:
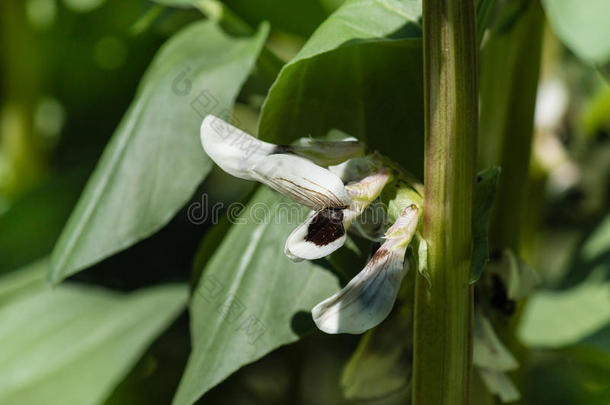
[443,307]
[509,80]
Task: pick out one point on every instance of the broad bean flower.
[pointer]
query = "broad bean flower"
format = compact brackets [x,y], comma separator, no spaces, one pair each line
[296,171]
[368,298]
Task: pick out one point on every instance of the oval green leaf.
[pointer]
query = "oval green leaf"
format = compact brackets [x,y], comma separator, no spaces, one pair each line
[72,345]
[251,298]
[582,26]
[361,73]
[154,161]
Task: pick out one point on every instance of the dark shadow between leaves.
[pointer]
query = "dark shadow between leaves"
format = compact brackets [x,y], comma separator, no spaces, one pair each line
[302,323]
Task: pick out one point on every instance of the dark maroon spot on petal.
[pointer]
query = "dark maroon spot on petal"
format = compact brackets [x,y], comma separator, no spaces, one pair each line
[326,227]
[379,255]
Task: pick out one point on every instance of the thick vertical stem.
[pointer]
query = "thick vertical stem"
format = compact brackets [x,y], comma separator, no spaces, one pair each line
[443,307]
[509,81]
[511,61]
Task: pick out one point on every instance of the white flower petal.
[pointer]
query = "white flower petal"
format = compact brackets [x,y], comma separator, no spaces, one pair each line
[353,169]
[323,233]
[369,297]
[246,157]
[498,383]
[404,228]
[326,153]
[364,192]
[291,256]
[302,180]
[488,350]
[552,101]
[422,258]
[320,235]
[232,149]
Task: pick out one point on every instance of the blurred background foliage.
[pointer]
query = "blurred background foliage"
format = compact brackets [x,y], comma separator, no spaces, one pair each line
[69,71]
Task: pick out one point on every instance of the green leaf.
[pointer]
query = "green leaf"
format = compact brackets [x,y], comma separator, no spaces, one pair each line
[591,256]
[177,3]
[596,247]
[485,10]
[251,298]
[73,344]
[31,225]
[582,26]
[27,278]
[505,15]
[213,238]
[381,364]
[350,259]
[331,5]
[361,73]
[299,17]
[154,161]
[485,192]
[599,342]
[574,375]
[560,318]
